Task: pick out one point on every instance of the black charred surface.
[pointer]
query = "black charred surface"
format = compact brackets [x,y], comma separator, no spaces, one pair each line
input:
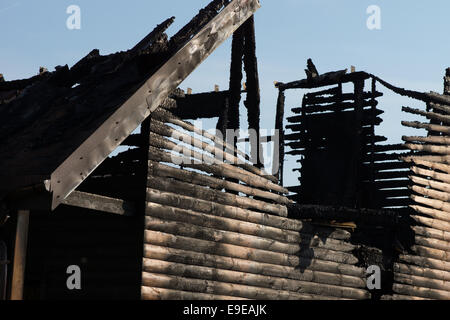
[253,100]
[237,51]
[202,105]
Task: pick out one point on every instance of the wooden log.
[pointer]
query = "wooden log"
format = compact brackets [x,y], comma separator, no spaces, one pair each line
[210,221]
[388,147]
[161,170]
[429,115]
[267,280]
[161,129]
[431,253]
[306,268]
[421,272]
[425,262]
[152,293]
[20,253]
[187,189]
[431,193]
[430,139]
[429,164]
[278,159]
[437,214]
[215,233]
[391,165]
[418,281]
[428,148]
[164,115]
[376,217]
[163,156]
[389,184]
[204,162]
[387,175]
[421,292]
[400,297]
[251,280]
[426,126]
[431,233]
[221,288]
[213,208]
[100,203]
[432,174]
[314,100]
[432,243]
[232,251]
[432,184]
[437,204]
[440,107]
[441,159]
[433,223]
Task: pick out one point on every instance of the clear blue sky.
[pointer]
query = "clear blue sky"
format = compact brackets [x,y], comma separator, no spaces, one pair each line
[410,50]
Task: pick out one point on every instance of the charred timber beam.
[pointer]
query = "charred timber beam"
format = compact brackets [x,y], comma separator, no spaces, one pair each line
[278,160]
[429,115]
[202,105]
[340,106]
[253,100]
[100,203]
[379,217]
[340,98]
[325,79]
[152,36]
[236,76]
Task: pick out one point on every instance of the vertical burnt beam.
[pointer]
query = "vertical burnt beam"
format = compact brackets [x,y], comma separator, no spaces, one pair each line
[222,123]
[253,100]
[237,52]
[372,146]
[358,147]
[279,126]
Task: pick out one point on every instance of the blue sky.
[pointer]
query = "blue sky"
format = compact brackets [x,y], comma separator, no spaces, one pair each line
[410,50]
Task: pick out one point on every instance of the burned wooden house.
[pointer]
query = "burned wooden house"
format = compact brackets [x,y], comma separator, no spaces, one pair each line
[182,213]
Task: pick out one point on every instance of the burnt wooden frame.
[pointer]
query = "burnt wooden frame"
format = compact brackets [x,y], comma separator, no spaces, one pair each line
[137,108]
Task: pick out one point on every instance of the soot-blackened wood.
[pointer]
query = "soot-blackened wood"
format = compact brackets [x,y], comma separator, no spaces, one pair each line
[202,105]
[253,100]
[279,125]
[359,112]
[152,36]
[197,23]
[222,123]
[237,52]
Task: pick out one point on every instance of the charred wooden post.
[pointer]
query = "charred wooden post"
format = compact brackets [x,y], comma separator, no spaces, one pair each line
[253,100]
[237,52]
[359,91]
[278,159]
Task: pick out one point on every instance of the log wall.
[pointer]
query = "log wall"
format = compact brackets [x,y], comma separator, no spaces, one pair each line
[218,230]
[423,271]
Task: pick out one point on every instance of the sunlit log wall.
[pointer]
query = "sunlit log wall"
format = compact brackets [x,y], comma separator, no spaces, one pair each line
[218,230]
[424,271]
